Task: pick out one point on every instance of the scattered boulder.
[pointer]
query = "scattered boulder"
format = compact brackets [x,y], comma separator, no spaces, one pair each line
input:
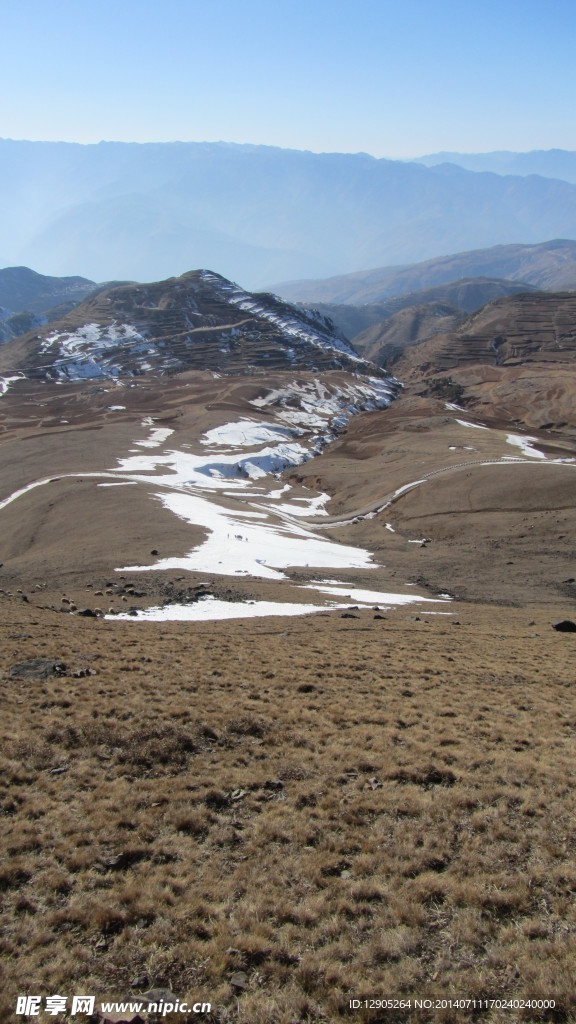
[159,995]
[566,626]
[38,668]
[239,980]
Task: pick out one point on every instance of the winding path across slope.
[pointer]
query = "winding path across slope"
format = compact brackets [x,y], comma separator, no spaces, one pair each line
[378,506]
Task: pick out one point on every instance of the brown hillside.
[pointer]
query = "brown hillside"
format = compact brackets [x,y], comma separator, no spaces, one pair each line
[512,361]
[385,342]
[548,265]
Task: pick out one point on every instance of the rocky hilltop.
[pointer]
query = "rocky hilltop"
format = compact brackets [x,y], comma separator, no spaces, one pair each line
[199,321]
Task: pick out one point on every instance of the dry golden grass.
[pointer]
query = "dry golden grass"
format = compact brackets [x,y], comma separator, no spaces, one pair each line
[339,809]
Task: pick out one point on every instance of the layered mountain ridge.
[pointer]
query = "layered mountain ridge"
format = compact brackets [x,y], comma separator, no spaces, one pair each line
[150,210]
[548,265]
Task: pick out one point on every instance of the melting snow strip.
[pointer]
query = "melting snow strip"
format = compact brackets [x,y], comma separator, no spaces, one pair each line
[5,382]
[523,441]
[236,545]
[477,426]
[370,597]
[210,608]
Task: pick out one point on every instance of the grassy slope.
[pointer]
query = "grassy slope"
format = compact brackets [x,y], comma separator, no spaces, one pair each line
[337,808]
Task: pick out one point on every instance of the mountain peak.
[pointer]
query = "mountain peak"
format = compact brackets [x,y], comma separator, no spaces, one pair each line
[199,321]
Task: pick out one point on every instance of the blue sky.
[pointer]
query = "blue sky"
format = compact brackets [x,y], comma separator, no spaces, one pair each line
[395,79]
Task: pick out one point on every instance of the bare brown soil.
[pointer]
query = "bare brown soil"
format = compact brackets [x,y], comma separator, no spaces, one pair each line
[331,808]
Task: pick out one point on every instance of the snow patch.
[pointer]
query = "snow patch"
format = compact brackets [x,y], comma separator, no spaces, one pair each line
[236,545]
[524,442]
[246,433]
[476,426]
[210,608]
[157,437]
[369,597]
[5,382]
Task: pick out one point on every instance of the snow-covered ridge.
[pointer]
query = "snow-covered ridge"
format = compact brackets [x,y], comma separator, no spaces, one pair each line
[298,325]
[200,321]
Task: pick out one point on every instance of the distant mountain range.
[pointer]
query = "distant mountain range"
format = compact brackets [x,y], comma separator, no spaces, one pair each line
[549,163]
[259,214]
[549,265]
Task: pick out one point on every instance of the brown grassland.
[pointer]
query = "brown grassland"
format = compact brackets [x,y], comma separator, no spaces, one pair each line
[280,815]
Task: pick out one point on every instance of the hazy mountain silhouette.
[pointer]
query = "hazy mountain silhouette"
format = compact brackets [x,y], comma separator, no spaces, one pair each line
[259,214]
[549,265]
[549,163]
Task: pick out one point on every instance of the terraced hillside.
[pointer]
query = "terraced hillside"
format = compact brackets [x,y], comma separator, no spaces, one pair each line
[513,361]
[198,321]
[518,329]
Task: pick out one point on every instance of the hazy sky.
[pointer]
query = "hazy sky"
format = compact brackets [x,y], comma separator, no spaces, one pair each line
[394,78]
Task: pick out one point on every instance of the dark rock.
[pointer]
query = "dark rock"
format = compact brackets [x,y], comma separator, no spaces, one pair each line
[566,626]
[87,613]
[239,980]
[159,995]
[348,615]
[38,668]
